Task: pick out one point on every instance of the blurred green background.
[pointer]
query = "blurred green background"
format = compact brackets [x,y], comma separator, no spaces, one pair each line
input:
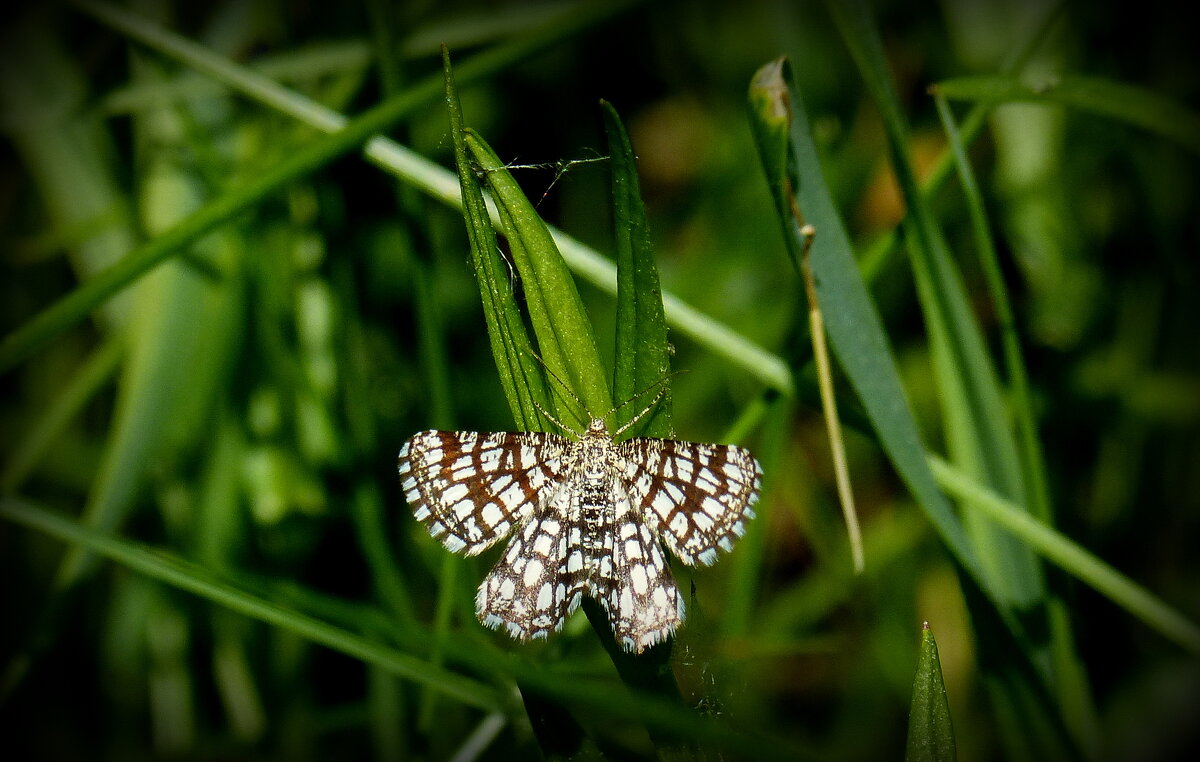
[240,406]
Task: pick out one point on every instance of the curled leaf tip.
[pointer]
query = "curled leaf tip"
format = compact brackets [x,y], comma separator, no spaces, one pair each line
[771,82]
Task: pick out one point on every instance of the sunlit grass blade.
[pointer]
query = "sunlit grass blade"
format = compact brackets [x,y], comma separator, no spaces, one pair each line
[930,728]
[642,362]
[25,340]
[442,185]
[187,576]
[1094,95]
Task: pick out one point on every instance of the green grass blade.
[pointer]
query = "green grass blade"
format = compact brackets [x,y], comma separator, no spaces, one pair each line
[975,422]
[1094,95]
[181,574]
[564,333]
[94,372]
[879,253]
[930,728]
[44,93]
[1073,559]
[443,186]
[74,307]
[974,416]
[179,355]
[25,340]
[855,329]
[520,376]
[658,713]
[642,361]
[1071,679]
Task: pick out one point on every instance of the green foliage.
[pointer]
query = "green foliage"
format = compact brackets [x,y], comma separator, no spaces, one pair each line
[930,727]
[219,324]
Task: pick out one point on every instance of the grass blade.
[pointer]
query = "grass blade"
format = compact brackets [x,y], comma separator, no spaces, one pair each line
[1071,682]
[564,333]
[855,329]
[1094,95]
[94,372]
[25,340]
[972,405]
[930,729]
[520,376]
[1073,559]
[641,358]
[442,185]
[194,579]
[974,419]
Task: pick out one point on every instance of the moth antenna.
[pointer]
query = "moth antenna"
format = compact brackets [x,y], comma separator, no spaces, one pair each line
[640,415]
[563,385]
[660,382]
[555,421]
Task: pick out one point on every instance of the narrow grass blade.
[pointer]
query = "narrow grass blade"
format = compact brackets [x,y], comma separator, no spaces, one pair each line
[186,576]
[974,416]
[94,372]
[1071,679]
[975,422]
[855,329]
[642,361]
[442,185]
[521,378]
[930,728]
[44,95]
[1095,95]
[596,697]
[879,253]
[1071,558]
[563,330]
[180,352]
[25,340]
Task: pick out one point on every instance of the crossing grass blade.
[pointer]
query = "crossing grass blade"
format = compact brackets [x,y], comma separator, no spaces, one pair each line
[187,576]
[855,329]
[976,425]
[1094,95]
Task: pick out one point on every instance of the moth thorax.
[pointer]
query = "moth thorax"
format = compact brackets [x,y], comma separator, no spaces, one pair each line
[595,460]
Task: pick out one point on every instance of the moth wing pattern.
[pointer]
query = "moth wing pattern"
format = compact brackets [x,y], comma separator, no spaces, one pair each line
[471,490]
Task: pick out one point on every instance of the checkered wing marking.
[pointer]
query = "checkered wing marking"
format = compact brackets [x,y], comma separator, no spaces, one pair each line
[470,489]
[537,583]
[641,597]
[697,497]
